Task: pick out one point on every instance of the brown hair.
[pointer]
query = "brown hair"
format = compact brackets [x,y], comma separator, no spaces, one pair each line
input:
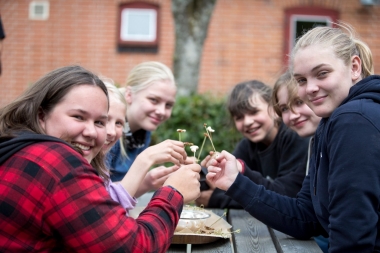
[44,95]
[240,99]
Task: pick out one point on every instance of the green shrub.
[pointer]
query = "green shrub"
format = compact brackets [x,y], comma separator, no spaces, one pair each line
[190,113]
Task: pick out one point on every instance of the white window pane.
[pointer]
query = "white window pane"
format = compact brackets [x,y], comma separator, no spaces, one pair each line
[138,25]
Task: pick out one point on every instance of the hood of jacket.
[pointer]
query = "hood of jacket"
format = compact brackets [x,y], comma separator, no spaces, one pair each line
[10,146]
[368,88]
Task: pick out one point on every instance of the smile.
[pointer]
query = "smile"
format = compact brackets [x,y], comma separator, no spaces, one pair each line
[252,130]
[81,146]
[317,100]
[299,123]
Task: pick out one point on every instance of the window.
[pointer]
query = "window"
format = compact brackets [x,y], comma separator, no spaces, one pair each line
[138,25]
[301,19]
[39,10]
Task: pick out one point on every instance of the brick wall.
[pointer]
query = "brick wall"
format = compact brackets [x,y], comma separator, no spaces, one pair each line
[245,40]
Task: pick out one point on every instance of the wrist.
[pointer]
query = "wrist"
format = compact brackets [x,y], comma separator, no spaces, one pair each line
[175,190]
[242,166]
[144,162]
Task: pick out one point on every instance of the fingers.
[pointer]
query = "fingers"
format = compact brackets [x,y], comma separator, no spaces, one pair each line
[190,160]
[163,171]
[225,155]
[213,169]
[194,167]
[205,161]
[210,176]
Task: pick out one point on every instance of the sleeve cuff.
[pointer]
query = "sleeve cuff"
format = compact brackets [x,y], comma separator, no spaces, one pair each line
[242,165]
[175,190]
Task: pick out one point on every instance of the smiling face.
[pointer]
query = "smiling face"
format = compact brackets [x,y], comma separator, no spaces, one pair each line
[257,125]
[300,117]
[76,119]
[116,121]
[324,80]
[150,107]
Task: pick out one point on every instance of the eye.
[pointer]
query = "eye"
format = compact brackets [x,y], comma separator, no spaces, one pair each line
[119,123]
[169,106]
[238,118]
[253,112]
[153,100]
[322,74]
[79,117]
[284,109]
[301,81]
[298,102]
[101,123]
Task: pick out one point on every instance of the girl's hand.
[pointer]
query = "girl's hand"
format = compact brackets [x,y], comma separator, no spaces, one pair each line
[156,177]
[166,151]
[186,181]
[223,170]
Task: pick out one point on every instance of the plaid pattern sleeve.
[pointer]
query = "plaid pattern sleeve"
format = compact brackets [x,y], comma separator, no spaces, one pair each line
[52,200]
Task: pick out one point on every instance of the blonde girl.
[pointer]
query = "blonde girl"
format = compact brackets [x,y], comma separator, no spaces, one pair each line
[150,94]
[340,197]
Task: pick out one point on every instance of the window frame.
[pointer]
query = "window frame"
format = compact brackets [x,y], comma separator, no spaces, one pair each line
[138,42]
[307,13]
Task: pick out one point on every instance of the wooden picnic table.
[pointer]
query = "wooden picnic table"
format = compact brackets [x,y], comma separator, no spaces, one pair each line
[254,236]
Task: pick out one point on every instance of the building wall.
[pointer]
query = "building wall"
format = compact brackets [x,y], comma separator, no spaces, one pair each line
[245,40]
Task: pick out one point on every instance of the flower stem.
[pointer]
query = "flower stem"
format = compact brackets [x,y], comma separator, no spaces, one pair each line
[209,136]
[200,151]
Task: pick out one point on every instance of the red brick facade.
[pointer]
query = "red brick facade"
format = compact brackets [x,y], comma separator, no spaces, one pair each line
[245,40]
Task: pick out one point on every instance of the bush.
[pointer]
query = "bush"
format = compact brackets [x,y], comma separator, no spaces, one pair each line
[190,113]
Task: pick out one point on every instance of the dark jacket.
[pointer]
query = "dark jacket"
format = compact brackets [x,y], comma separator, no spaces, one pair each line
[341,195]
[281,167]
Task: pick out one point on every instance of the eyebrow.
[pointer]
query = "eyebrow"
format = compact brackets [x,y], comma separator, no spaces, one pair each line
[314,69]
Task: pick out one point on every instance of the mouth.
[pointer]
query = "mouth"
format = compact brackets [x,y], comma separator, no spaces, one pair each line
[156,120]
[317,100]
[299,123]
[252,130]
[81,146]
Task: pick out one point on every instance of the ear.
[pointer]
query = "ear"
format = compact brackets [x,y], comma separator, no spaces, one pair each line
[128,95]
[356,68]
[41,117]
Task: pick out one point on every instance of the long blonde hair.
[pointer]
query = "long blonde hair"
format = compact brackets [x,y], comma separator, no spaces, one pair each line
[116,93]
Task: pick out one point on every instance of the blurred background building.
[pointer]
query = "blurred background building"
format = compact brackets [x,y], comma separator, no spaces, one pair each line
[246,39]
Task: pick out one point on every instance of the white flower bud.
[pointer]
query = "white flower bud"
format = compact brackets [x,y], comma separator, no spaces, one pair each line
[193,148]
[210,129]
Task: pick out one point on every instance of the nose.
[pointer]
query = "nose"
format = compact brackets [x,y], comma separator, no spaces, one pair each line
[311,87]
[111,132]
[248,120]
[90,130]
[160,109]
[294,114]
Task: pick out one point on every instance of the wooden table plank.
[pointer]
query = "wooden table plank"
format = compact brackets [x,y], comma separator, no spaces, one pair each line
[221,245]
[289,244]
[254,236]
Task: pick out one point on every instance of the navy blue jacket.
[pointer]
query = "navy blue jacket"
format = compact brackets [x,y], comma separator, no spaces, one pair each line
[280,167]
[340,197]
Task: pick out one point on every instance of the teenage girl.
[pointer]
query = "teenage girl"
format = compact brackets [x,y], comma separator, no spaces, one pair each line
[340,197]
[271,154]
[297,116]
[139,179]
[52,199]
[150,94]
